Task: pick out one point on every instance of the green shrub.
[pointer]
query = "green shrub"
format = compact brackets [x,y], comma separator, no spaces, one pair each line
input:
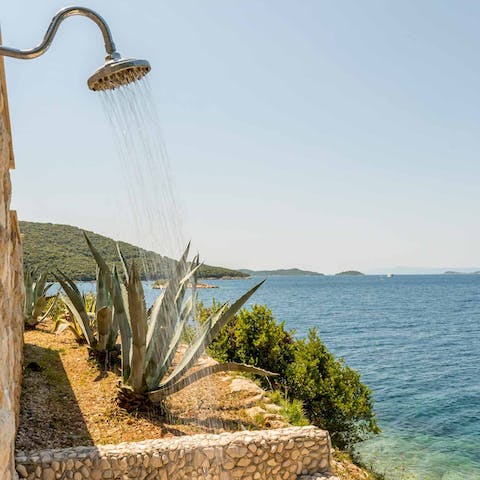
[333,395]
[254,338]
[292,410]
[326,390]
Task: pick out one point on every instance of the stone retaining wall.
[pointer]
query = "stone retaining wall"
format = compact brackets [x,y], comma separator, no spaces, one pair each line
[282,454]
[11,297]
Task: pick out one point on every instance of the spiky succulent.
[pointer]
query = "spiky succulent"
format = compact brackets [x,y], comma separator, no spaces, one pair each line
[150,339]
[36,308]
[67,320]
[92,318]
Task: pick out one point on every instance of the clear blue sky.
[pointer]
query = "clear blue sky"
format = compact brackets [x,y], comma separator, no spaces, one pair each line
[318,134]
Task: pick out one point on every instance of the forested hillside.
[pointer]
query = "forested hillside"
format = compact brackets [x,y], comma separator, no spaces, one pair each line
[50,246]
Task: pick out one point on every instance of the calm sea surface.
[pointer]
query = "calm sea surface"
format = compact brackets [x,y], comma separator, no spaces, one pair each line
[415,339]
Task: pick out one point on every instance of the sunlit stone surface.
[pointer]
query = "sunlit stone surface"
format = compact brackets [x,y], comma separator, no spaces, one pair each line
[11,297]
[283,454]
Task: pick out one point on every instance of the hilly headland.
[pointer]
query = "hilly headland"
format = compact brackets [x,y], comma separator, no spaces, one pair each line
[51,246]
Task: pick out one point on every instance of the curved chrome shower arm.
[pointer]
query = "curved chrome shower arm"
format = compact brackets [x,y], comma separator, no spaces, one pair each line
[52,30]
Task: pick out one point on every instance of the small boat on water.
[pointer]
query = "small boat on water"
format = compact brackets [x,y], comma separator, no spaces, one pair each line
[389,275]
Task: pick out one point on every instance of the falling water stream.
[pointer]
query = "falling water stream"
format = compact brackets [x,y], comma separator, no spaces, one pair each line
[154,212]
[153,206]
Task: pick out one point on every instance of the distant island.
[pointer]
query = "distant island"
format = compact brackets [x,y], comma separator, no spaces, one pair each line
[451,272]
[281,271]
[48,246]
[444,270]
[351,273]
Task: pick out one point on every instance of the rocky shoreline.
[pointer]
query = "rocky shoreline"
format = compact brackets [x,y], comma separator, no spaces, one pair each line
[162,284]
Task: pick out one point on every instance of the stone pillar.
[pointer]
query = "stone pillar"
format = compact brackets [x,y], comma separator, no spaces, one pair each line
[11,297]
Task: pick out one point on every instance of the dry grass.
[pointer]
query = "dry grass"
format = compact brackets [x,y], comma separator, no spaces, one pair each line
[66,401]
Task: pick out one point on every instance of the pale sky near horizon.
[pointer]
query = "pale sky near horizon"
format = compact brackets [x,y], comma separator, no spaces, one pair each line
[318,134]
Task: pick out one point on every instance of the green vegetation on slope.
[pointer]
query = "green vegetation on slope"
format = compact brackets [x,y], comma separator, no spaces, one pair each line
[49,246]
[331,394]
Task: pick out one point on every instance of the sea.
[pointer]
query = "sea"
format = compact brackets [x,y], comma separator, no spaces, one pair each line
[415,340]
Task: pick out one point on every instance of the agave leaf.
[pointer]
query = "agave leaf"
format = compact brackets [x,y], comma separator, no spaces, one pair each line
[196,260]
[101,264]
[231,312]
[194,267]
[186,278]
[154,312]
[120,302]
[163,391]
[70,283]
[82,320]
[39,289]
[113,334]
[154,309]
[62,323]
[138,322]
[50,308]
[60,326]
[210,329]
[90,304]
[28,280]
[103,298]
[162,321]
[104,322]
[173,346]
[123,261]
[38,308]
[76,303]
[28,277]
[36,289]
[194,351]
[168,296]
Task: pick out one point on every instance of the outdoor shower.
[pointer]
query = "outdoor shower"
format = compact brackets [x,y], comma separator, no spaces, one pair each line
[116,71]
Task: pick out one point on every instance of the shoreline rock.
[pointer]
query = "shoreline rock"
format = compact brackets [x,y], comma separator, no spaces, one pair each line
[162,284]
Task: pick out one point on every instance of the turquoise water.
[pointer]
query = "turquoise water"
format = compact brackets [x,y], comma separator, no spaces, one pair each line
[415,339]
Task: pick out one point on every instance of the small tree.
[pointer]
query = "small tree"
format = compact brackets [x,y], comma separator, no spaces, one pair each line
[333,395]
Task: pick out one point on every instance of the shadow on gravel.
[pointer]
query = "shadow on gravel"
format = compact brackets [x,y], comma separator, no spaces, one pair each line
[49,413]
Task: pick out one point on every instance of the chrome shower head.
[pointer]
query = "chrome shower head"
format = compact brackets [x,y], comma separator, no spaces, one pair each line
[116,73]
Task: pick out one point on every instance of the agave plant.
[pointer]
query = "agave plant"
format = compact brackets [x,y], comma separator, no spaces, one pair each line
[36,308]
[91,318]
[68,319]
[149,341]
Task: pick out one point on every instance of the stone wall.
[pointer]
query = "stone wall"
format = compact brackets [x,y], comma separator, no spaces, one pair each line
[11,296]
[282,454]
